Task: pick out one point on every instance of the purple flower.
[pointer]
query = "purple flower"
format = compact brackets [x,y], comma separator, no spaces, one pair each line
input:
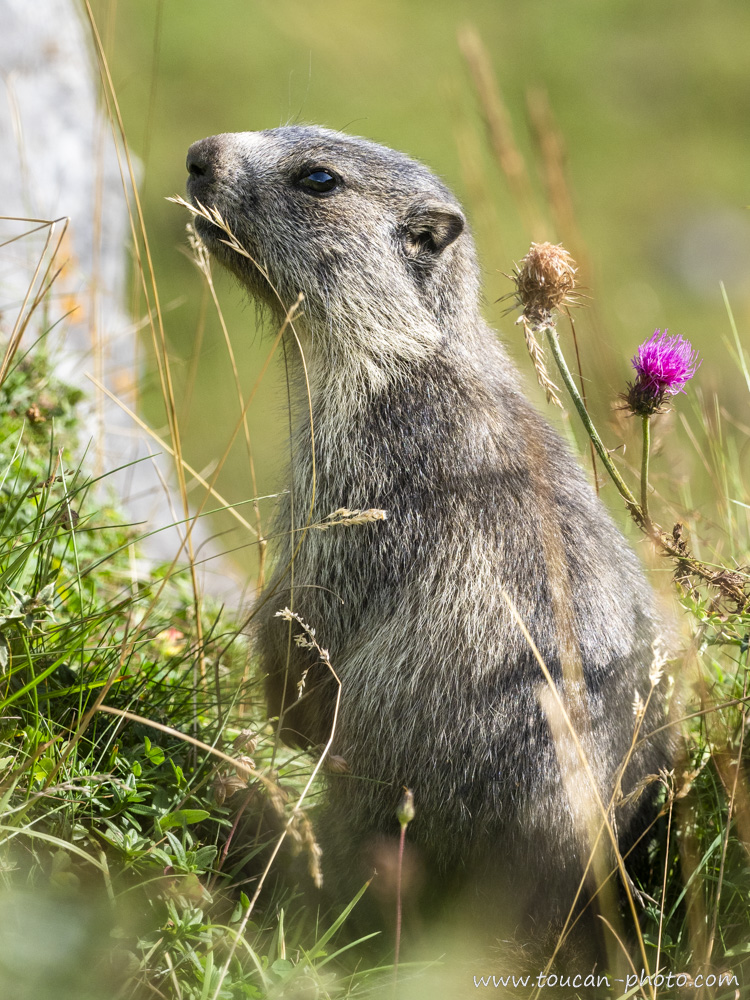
[663,365]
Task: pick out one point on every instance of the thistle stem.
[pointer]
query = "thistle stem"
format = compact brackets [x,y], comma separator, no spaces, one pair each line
[644,470]
[630,500]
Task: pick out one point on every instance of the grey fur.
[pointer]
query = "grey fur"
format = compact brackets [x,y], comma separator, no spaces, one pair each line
[417,410]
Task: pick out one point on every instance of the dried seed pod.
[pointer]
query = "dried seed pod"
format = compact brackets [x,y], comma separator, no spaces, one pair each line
[545,280]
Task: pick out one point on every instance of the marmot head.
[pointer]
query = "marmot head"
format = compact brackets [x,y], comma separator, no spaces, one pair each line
[378,246]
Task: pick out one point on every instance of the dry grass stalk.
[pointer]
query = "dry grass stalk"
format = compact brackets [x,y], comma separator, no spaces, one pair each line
[41,281]
[554,161]
[346,516]
[215,217]
[554,156]
[480,193]
[170,451]
[536,353]
[576,751]
[305,640]
[499,129]
[734,781]
[202,260]
[144,265]
[309,636]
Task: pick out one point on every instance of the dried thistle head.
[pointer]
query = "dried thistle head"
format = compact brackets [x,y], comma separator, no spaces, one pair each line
[246,739]
[545,280]
[245,767]
[226,785]
[335,764]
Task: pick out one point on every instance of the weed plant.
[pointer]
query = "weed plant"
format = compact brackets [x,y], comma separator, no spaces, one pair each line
[137,804]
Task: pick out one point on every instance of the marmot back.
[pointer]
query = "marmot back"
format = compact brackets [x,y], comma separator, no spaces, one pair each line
[417,410]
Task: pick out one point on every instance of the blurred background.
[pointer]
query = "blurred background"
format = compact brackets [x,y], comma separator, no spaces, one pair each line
[620,129]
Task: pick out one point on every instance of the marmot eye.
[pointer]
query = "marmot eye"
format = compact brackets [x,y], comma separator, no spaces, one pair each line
[319,180]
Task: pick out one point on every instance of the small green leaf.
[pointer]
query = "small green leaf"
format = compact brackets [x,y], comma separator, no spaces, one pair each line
[43,768]
[68,881]
[205,855]
[182,817]
[46,594]
[155,754]
[61,861]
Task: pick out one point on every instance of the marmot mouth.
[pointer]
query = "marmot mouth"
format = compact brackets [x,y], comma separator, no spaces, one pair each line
[207,228]
[218,243]
[210,233]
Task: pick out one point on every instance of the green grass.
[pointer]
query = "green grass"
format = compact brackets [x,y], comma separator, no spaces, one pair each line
[121,869]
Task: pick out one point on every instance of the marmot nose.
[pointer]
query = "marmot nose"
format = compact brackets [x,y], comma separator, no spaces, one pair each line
[200,159]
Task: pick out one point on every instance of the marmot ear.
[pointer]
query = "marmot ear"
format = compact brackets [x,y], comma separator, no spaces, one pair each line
[431,226]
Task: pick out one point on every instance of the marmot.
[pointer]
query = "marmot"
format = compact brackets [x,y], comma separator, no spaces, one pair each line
[417,411]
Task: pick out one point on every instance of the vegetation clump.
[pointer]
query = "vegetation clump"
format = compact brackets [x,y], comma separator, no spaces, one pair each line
[137,804]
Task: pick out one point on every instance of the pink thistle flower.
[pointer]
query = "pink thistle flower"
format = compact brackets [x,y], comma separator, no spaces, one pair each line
[663,365]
